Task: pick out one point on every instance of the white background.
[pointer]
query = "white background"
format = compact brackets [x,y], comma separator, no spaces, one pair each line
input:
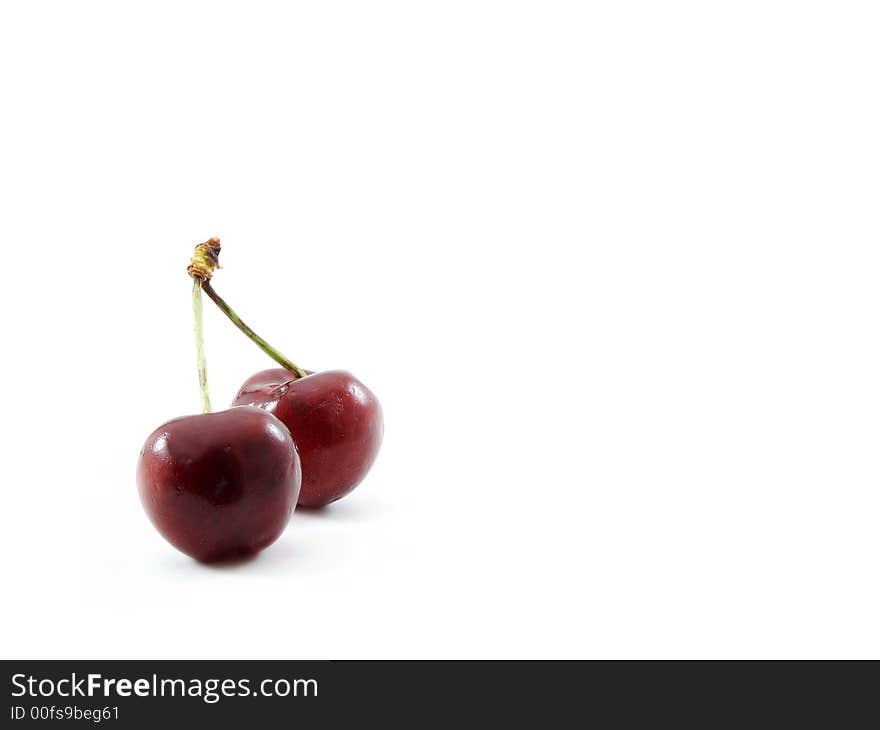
[612,269]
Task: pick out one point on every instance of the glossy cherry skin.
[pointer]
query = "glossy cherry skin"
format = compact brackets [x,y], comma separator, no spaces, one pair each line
[336,424]
[222,485]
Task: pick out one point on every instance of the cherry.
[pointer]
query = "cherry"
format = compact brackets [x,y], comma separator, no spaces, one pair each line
[335,421]
[220,485]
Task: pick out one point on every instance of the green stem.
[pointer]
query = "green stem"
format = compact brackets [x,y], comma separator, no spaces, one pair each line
[200,346]
[260,342]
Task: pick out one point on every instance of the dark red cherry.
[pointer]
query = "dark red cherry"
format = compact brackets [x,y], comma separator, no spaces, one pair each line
[335,421]
[221,485]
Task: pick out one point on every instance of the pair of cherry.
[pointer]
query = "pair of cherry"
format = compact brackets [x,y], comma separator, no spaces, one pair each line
[221,486]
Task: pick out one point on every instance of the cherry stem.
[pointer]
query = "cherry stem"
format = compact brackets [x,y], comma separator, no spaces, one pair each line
[259,341]
[200,346]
